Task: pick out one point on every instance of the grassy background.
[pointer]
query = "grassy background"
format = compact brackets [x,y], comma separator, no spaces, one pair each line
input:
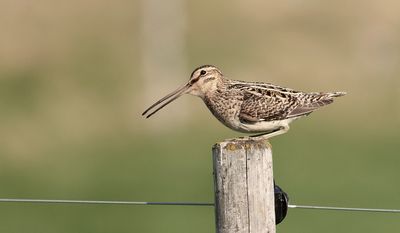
[74,81]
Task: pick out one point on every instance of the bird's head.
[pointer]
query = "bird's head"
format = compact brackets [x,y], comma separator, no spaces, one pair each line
[203,79]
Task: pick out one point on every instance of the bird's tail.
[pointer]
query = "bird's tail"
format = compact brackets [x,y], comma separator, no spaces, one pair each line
[336,94]
[313,101]
[324,98]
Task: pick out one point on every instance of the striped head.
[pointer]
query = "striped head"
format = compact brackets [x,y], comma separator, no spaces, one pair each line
[204,79]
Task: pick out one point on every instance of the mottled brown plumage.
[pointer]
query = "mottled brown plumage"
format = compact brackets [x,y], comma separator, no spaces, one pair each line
[248,106]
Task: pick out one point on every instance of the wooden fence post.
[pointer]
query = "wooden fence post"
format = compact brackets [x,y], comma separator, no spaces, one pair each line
[244,186]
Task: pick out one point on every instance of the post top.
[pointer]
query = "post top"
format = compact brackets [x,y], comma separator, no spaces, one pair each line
[245,142]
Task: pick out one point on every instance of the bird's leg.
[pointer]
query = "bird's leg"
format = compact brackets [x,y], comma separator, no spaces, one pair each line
[264,133]
[281,130]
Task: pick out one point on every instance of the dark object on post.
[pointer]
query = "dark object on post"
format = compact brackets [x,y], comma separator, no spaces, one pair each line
[281,204]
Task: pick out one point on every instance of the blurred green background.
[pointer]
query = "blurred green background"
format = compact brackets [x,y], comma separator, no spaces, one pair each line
[76,75]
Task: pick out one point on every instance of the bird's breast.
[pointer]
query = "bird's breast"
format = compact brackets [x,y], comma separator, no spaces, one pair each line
[225,107]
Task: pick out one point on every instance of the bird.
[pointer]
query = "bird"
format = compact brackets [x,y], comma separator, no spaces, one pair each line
[247,107]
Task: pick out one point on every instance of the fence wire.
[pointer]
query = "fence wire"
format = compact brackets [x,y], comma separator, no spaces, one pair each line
[100,202]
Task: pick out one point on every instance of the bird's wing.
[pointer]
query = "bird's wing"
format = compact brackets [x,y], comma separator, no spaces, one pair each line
[266,104]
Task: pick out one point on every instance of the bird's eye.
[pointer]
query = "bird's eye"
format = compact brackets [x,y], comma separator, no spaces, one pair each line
[203,72]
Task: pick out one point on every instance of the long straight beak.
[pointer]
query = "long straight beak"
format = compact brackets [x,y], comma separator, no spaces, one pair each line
[166,100]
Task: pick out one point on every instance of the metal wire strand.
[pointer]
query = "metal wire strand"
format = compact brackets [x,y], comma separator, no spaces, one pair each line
[57,201]
[343,208]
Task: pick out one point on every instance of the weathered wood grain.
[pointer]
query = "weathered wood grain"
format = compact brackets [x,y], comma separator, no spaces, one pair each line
[244,192]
